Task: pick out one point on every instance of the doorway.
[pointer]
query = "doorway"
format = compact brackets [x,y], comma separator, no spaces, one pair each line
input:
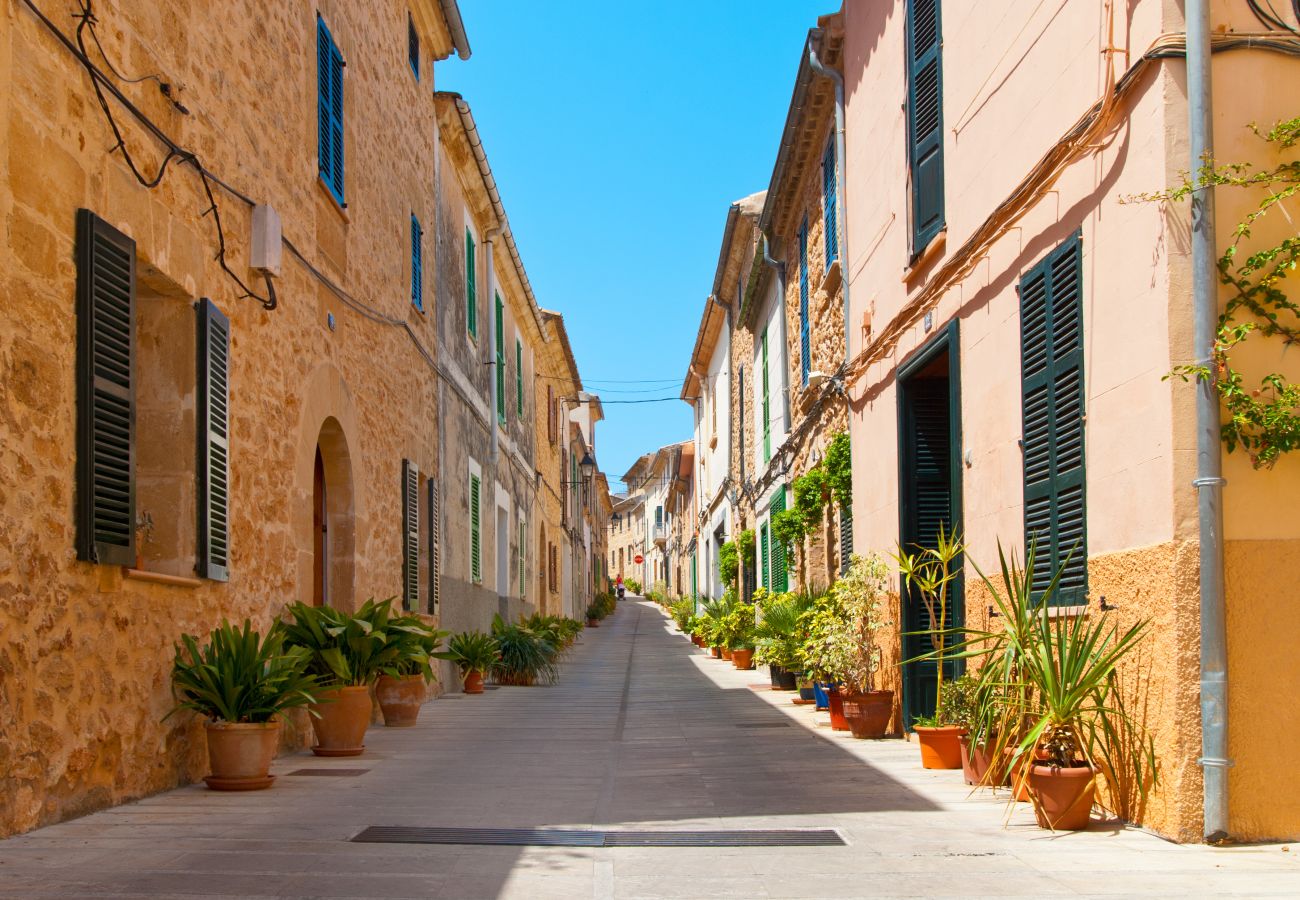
[320,534]
[332,517]
[929,453]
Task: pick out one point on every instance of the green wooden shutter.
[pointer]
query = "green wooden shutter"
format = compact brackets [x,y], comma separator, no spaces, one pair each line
[523,547]
[925,119]
[213,441]
[764,547]
[475,530]
[780,569]
[846,538]
[1051,336]
[471,287]
[501,360]
[519,377]
[410,536]
[435,529]
[105,393]
[767,403]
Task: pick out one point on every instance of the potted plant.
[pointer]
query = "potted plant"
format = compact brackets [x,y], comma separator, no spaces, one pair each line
[930,572]
[961,702]
[474,653]
[738,635]
[402,693]
[778,636]
[242,684]
[347,652]
[524,656]
[593,614]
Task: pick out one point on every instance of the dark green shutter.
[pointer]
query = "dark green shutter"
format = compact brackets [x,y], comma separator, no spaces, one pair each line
[830,224]
[471,287]
[1051,341]
[764,547]
[435,528]
[846,538]
[410,536]
[805,325]
[213,442]
[780,569]
[519,377]
[476,531]
[105,392]
[925,119]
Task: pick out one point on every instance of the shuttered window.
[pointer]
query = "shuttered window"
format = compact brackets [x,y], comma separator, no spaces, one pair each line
[471,287]
[105,392]
[413,46]
[434,509]
[846,538]
[805,330]
[501,360]
[829,221]
[767,402]
[780,572]
[410,536]
[764,548]
[925,119]
[519,377]
[213,442]
[417,264]
[329,110]
[1051,359]
[550,414]
[475,530]
[523,557]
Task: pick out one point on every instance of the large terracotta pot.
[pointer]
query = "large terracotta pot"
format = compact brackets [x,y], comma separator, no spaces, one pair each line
[240,754]
[939,746]
[340,721]
[836,702]
[726,653]
[1063,797]
[473,682]
[400,699]
[976,760]
[743,659]
[868,713]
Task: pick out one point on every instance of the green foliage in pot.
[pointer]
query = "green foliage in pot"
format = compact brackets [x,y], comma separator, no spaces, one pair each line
[415,644]
[960,702]
[930,572]
[347,650]
[559,630]
[738,627]
[471,651]
[239,676]
[632,585]
[683,610]
[778,634]
[729,563]
[713,614]
[524,656]
[842,624]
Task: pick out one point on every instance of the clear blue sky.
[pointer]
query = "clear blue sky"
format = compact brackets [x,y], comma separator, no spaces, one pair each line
[619,134]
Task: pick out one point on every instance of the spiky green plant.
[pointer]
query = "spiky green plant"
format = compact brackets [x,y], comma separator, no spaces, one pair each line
[524,656]
[471,651]
[346,649]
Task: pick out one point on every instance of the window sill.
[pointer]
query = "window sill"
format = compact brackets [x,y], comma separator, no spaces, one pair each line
[932,251]
[1066,612]
[160,578]
[333,201]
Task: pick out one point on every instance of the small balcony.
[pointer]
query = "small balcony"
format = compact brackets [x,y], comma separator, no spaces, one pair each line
[660,534]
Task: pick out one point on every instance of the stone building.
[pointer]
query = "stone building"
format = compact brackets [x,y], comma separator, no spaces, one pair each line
[683,527]
[627,537]
[649,480]
[1014,318]
[192,422]
[557,379]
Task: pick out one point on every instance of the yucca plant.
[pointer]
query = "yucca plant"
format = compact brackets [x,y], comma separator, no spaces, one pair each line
[930,571]
[415,644]
[239,676]
[471,651]
[345,649]
[524,656]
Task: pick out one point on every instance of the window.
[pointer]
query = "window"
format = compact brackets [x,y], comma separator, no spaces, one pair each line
[805,332]
[433,513]
[767,403]
[471,289]
[925,120]
[550,414]
[417,264]
[501,361]
[329,111]
[519,377]
[1051,360]
[413,46]
[475,528]
[780,572]
[829,181]
[764,546]
[410,536]
[553,570]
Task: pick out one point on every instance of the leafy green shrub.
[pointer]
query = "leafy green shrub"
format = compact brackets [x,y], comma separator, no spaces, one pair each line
[524,656]
[472,651]
[632,585]
[841,626]
[683,611]
[779,635]
[415,643]
[738,627]
[238,676]
[346,649]
[729,563]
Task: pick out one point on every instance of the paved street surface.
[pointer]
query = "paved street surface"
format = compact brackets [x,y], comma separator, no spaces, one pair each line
[641,732]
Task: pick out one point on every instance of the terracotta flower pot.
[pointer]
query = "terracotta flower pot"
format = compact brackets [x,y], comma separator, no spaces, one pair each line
[340,722]
[743,659]
[726,653]
[473,682]
[1063,796]
[593,623]
[400,699]
[939,746]
[716,651]
[836,702]
[240,754]
[868,713]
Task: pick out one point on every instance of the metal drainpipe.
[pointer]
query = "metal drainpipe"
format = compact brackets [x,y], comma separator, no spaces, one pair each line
[779,267]
[841,226]
[1209,481]
[488,239]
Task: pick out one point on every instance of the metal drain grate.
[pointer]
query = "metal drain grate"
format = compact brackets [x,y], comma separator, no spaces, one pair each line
[559,837]
[762,724]
[337,773]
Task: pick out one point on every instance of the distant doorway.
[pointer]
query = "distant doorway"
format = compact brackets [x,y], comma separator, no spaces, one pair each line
[320,533]
[929,429]
[333,519]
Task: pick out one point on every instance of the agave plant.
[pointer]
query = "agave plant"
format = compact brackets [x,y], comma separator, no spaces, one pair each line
[239,676]
[346,649]
[524,656]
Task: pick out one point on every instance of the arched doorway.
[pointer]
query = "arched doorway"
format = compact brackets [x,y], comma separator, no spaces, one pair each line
[333,520]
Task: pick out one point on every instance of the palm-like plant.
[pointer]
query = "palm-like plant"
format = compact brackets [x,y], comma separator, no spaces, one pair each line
[415,644]
[524,656]
[778,635]
[345,649]
[930,571]
[239,676]
[471,651]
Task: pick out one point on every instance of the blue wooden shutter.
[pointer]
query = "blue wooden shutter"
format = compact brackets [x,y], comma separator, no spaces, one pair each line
[805,332]
[410,536]
[413,46]
[213,442]
[829,221]
[417,264]
[471,287]
[1051,341]
[329,99]
[105,393]
[925,119]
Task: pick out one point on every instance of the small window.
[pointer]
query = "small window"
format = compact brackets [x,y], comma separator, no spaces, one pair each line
[417,264]
[413,46]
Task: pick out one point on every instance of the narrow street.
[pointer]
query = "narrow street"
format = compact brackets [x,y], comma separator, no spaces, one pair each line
[641,732]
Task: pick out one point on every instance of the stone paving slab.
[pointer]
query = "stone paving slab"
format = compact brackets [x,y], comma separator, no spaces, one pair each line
[642,731]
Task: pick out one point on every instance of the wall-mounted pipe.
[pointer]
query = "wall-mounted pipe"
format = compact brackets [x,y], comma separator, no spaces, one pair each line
[779,267]
[841,223]
[489,238]
[1209,462]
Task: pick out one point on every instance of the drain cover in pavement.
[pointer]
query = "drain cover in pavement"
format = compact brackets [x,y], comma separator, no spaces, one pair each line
[559,837]
[338,773]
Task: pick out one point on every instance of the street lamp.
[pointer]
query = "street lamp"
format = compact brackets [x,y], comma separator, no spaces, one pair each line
[587,466]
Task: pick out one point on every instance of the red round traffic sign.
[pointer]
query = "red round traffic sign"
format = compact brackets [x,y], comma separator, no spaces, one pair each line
[638,559]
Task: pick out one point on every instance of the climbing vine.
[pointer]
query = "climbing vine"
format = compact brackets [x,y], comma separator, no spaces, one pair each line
[839,469]
[830,479]
[1263,419]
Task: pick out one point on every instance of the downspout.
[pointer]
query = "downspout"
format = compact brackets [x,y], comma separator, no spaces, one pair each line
[779,268]
[841,226]
[1209,481]
[488,239]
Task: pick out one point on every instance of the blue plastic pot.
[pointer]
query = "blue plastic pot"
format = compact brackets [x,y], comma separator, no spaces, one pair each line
[819,694]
